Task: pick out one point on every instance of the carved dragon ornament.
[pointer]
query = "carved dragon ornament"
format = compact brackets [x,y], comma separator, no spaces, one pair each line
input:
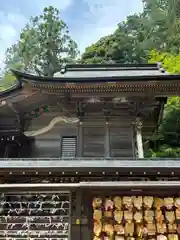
[53,122]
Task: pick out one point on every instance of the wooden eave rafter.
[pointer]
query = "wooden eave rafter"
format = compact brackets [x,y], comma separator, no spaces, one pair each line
[30,103]
[142,88]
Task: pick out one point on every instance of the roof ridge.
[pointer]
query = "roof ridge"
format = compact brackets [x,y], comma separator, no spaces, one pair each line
[105,67]
[111,65]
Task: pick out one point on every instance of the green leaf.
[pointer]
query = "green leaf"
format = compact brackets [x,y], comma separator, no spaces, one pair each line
[40,44]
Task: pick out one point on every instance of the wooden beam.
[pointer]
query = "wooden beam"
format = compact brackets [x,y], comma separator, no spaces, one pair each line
[122,184]
[130,184]
[38,185]
[107,141]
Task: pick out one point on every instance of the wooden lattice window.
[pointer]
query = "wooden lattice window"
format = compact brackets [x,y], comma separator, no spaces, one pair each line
[68,146]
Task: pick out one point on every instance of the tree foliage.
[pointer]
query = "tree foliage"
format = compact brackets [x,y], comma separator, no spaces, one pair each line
[157,27]
[44,44]
[167,144]
[7,81]
[122,46]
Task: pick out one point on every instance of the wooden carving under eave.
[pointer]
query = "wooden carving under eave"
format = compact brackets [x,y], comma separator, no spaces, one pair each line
[53,122]
[38,112]
[110,87]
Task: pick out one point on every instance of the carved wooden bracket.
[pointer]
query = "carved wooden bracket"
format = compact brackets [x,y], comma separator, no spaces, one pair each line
[55,121]
[138,123]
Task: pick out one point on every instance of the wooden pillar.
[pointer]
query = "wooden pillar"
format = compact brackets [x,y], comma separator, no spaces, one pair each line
[139,141]
[80,140]
[76,218]
[6,151]
[107,141]
[133,144]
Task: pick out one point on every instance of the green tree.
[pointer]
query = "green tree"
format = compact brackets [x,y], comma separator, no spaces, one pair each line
[163,16]
[157,27]
[167,142]
[8,80]
[44,44]
[123,46]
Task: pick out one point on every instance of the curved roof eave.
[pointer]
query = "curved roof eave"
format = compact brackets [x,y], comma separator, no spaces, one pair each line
[26,77]
[12,89]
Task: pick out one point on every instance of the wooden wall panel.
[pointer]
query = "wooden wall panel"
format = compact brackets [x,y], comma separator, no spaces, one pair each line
[49,144]
[92,139]
[121,142]
[93,144]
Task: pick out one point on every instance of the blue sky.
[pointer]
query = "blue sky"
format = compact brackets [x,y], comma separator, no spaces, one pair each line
[88,20]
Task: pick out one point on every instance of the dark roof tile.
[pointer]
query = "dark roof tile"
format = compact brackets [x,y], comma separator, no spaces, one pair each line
[102,72]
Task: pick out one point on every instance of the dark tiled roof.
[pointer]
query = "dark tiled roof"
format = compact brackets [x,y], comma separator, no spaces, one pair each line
[113,70]
[102,72]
